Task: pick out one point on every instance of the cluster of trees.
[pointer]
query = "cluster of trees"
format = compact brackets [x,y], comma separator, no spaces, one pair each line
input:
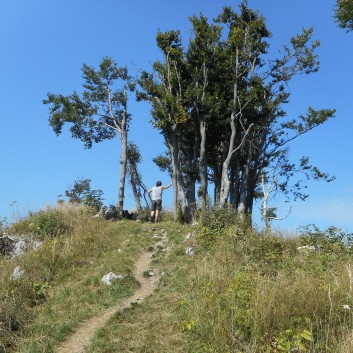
[219,104]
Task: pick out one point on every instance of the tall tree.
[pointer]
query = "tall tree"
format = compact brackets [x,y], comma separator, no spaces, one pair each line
[165,90]
[100,113]
[202,62]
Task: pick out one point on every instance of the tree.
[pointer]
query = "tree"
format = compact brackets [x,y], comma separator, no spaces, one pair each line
[81,193]
[165,90]
[100,113]
[344,14]
[202,55]
[133,159]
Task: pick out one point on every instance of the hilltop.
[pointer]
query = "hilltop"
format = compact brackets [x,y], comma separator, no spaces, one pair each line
[215,286]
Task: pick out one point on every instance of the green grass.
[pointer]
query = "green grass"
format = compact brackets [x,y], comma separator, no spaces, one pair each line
[240,291]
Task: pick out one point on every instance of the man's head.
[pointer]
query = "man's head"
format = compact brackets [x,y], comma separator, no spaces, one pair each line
[158,183]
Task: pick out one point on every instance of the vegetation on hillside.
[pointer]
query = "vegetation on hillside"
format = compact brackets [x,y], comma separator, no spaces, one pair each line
[240,291]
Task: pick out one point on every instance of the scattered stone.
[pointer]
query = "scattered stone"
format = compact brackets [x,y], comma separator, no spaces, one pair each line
[189,236]
[189,251]
[20,248]
[17,273]
[307,247]
[110,277]
[150,273]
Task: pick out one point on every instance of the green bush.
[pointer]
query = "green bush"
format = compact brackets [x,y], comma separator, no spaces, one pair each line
[327,239]
[144,214]
[50,222]
[215,221]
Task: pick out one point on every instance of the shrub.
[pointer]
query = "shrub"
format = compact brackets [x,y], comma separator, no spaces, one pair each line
[213,222]
[332,237]
[144,214]
[51,222]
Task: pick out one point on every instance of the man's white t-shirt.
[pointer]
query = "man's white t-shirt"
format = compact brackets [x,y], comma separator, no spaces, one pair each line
[157,193]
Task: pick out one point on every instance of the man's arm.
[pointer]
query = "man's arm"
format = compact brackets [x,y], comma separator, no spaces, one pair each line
[167,186]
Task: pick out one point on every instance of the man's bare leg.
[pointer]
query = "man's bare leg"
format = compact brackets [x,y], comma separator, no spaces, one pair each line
[156,216]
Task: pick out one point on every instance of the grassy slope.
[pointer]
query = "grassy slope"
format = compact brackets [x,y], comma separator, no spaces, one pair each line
[238,293]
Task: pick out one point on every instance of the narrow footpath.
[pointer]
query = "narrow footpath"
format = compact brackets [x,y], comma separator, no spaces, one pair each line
[84,334]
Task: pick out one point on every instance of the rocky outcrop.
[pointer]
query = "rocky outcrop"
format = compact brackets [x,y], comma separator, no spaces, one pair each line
[16,245]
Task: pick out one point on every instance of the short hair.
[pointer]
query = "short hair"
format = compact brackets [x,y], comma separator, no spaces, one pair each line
[158,183]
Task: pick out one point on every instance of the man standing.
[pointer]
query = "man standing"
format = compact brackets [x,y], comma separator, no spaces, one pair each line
[156,199]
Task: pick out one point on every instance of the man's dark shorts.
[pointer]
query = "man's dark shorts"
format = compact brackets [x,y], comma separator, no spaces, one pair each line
[157,205]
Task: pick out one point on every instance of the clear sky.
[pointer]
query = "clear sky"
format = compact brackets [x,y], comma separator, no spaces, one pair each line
[43,45]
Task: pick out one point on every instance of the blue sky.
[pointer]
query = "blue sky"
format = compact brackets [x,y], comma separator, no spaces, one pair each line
[44,44]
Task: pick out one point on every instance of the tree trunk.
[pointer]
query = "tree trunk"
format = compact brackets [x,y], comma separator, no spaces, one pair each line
[133,178]
[202,192]
[225,167]
[123,164]
[179,191]
[225,183]
[244,186]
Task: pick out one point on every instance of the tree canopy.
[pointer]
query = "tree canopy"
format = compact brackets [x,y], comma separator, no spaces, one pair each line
[219,103]
[344,14]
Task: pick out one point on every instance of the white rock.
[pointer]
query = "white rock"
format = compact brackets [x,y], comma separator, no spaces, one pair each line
[111,277]
[189,251]
[189,236]
[346,307]
[17,273]
[20,248]
[307,247]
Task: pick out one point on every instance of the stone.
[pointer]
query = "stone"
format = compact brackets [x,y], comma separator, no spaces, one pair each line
[17,245]
[110,277]
[189,236]
[17,273]
[306,247]
[189,251]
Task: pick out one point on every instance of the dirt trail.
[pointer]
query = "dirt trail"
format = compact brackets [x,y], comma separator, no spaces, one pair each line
[83,335]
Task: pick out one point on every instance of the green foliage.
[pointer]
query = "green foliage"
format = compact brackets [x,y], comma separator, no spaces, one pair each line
[291,341]
[48,223]
[215,221]
[164,162]
[344,14]
[81,193]
[327,239]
